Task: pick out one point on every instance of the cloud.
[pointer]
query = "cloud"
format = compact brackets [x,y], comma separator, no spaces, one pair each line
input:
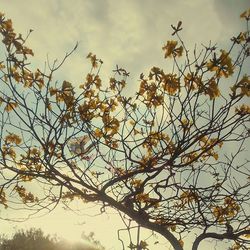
[129,33]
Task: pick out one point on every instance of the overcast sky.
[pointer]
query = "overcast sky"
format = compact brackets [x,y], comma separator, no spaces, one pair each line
[129,33]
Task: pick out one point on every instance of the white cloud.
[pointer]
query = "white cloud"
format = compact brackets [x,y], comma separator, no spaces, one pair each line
[129,33]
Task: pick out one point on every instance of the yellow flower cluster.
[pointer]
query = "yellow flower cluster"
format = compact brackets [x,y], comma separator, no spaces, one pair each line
[153,89]
[235,246]
[10,39]
[171,83]
[116,85]
[24,195]
[2,66]
[144,198]
[136,183]
[171,49]
[13,138]
[31,161]
[188,196]
[206,149]
[153,140]
[181,242]
[8,151]
[246,14]
[65,94]
[86,111]
[3,199]
[222,66]
[151,95]
[243,110]
[243,85]
[70,195]
[27,77]
[241,38]
[92,79]
[186,124]
[207,146]
[192,81]
[148,160]
[229,209]
[93,60]
[190,158]
[212,89]
[10,106]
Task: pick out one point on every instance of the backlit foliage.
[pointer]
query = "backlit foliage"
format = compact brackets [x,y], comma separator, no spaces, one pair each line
[159,157]
[36,239]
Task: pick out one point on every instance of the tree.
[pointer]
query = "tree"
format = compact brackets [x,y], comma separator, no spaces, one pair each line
[30,239]
[35,239]
[162,157]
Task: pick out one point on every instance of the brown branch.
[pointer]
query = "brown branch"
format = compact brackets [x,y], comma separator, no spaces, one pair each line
[229,236]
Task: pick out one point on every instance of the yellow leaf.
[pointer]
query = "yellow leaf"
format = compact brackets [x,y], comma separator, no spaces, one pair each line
[3,199]
[53,91]
[136,183]
[98,133]
[7,25]
[9,151]
[171,50]
[181,242]
[222,66]
[27,51]
[245,14]
[67,86]
[10,106]
[13,138]
[212,89]
[247,236]
[243,110]
[215,155]
[132,122]
[2,66]
[143,244]
[173,228]
[171,83]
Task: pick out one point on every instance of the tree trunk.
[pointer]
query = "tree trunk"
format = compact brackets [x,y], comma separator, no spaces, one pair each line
[144,222]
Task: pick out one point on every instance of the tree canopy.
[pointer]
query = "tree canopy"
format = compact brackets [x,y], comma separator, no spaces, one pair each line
[35,239]
[170,158]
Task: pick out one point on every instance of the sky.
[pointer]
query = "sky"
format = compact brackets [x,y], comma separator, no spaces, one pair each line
[129,33]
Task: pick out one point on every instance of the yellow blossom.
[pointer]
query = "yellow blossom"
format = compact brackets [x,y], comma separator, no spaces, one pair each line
[244,85]
[66,86]
[181,242]
[188,196]
[173,228]
[10,106]
[93,60]
[171,50]
[228,210]
[98,133]
[245,14]
[3,199]
[136,183]
[9,151]
[142,197]
[13,138]
[243,110]
[222,66]
[212,89]
[171,83]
